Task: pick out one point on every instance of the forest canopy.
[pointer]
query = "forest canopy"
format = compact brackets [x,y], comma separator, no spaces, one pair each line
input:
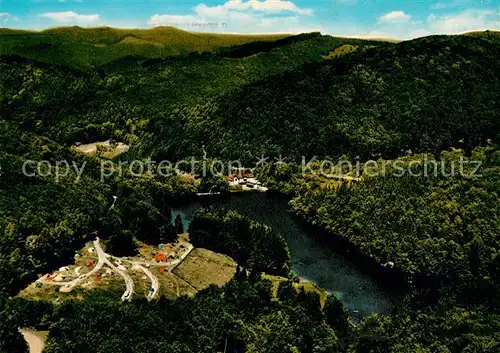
[297,96]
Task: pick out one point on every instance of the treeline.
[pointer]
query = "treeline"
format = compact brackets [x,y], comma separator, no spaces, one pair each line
[254,246]
[423,95]
[240,51]
[435,225]
[212,321]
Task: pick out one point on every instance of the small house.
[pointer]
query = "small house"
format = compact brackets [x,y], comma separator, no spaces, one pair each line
[160,257]
[232,178]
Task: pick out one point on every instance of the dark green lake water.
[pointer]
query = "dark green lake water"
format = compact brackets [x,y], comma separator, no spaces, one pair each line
[311,259]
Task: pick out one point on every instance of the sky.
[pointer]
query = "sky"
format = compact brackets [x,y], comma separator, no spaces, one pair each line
[400,19]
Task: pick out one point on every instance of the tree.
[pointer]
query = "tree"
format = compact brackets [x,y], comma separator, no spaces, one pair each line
[122,243]
[179,226]
[335,314]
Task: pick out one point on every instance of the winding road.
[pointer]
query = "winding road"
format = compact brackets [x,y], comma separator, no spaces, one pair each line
[34,340]
[68,286]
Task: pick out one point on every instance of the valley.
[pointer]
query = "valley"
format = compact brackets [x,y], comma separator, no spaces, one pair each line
[311,257]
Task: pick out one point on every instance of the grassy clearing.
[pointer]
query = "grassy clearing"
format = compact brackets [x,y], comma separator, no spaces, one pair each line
[172,286]
[342,50]
[203,267]
[308,287]
[103,149]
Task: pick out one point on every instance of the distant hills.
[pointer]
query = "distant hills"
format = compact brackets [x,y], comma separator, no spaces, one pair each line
[85,48]
[90,47]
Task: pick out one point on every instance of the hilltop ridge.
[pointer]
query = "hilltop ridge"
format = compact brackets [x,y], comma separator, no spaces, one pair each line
[89,47]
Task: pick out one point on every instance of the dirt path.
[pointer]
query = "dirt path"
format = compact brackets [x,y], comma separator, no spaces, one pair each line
[103,260]
[154,282]
[69,286]
[35,340]
[128,281]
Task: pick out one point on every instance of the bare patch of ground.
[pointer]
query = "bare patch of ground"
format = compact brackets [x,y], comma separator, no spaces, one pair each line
[104,149]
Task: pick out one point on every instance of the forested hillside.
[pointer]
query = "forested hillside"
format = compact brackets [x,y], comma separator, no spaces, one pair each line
[436,225]
[85,48]
[422,95]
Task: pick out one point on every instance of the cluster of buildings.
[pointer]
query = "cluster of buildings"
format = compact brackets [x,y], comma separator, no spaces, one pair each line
[244,179]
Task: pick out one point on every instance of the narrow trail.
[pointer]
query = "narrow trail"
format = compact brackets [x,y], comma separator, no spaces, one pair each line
[178,278]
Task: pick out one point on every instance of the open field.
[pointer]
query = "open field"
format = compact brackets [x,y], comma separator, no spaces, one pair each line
[104,149]
[203,267]
[342,50]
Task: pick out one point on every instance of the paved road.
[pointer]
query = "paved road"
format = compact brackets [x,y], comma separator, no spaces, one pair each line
[103,260]
[176,263]
[170,264]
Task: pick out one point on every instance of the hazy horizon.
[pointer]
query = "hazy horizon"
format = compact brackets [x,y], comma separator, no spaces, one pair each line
[346,18]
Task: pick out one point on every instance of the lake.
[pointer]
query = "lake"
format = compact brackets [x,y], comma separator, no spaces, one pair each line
[312,260]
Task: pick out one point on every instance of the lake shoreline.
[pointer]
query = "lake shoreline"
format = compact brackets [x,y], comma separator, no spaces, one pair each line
[363,285]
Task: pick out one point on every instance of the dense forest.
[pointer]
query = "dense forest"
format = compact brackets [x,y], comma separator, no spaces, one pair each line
[215,320]
[434,97]
[439,230]
[253,245]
